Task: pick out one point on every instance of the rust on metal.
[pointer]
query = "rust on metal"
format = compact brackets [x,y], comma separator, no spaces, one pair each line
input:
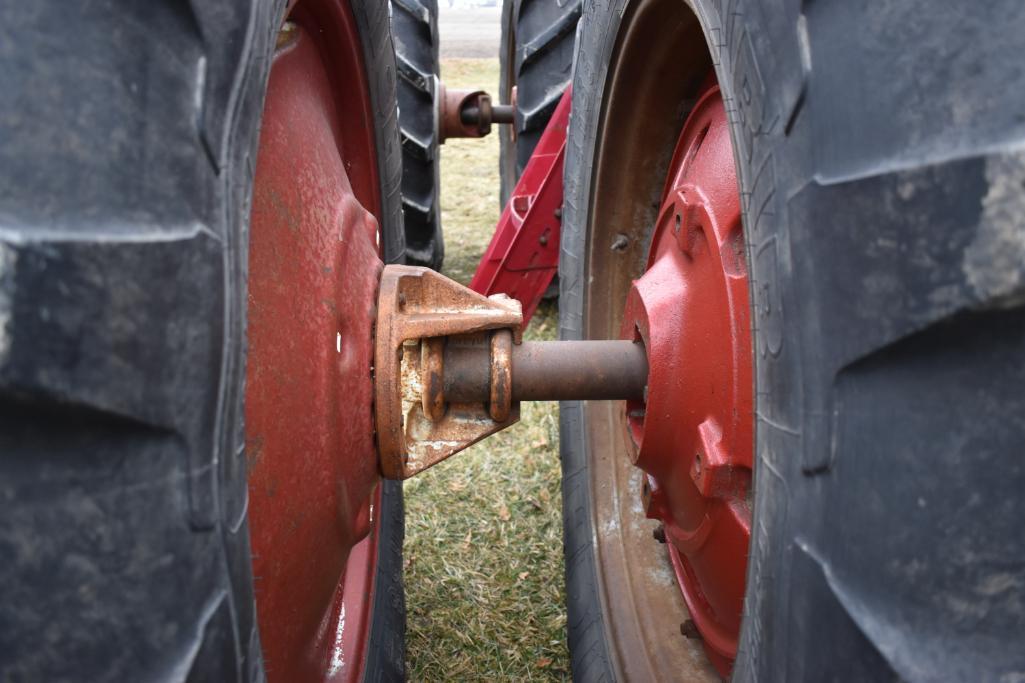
[579,370]
[501,113]
[417,306]
[551,371]
[500,375]
[468,113]
[432,358]
[451,368]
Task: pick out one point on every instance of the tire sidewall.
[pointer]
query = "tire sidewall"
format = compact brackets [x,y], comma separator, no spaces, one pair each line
[535,56]
[753,147]
[414,25]
[384,658]
[506,79]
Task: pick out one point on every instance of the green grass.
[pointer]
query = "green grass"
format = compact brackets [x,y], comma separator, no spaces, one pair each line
[483,551]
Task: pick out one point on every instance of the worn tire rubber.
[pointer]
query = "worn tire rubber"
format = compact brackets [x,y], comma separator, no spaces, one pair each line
[130,135]
[414,26]
[886,250]
[536,55]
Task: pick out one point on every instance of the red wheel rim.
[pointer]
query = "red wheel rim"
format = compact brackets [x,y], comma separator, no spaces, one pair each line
[313,270]
[693,435]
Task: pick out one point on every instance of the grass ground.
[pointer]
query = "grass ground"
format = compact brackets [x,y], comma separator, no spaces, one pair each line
[483,551]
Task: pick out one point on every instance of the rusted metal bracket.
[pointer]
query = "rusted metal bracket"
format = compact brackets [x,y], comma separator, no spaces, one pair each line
[419,313]
[451,368]
[468,113]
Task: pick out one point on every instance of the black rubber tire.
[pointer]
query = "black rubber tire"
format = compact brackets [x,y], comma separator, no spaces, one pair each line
[886,234]
[130,132]
[536,55]
[414,25]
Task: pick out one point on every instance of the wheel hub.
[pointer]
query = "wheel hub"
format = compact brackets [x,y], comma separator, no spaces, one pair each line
[692,434]
[314,266]
[451,368]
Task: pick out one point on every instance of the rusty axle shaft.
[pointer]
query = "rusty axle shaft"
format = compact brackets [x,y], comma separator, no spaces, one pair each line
[451,367]
[549,371]
[469,113]
[500,113]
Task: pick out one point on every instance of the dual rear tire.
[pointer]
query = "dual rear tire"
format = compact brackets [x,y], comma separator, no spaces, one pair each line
[883,224]
[130,146]
[888,283]
[536,59]
[414,25]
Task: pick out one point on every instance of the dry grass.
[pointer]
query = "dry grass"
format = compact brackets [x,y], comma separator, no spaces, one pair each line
[484,568]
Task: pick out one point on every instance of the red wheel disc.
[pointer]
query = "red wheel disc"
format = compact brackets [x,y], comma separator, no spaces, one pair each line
[694,433]
[313,270]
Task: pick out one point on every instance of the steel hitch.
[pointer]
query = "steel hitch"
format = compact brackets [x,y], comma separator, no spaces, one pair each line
[468,113]
[451,367]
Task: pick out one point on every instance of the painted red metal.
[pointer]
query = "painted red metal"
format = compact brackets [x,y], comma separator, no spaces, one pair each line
[693,433]
[313,271]
[523,256]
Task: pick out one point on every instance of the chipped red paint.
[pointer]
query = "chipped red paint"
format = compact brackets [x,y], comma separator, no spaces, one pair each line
[313,270]
[694,432]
